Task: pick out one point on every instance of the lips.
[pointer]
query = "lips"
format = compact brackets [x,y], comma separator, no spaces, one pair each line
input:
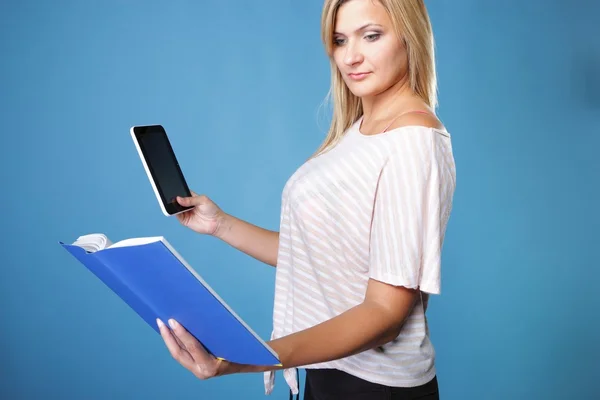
[357,76]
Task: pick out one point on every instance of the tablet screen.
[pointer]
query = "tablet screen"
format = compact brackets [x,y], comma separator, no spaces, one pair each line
[163,166]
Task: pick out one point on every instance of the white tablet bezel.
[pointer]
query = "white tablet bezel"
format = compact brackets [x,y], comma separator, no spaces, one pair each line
[148,171]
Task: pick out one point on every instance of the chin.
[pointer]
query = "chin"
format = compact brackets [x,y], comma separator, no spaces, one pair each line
[366,88]
[361,90]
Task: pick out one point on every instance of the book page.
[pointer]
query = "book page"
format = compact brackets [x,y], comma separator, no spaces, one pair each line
[136,241]
[93,242]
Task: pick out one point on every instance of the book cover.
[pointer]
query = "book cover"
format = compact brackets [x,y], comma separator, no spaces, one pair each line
[156,282]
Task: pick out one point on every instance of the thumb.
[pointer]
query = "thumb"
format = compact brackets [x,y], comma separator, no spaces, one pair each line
[185,201]
[192,201]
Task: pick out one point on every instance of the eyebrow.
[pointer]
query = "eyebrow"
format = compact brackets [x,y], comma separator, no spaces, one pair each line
[362,28]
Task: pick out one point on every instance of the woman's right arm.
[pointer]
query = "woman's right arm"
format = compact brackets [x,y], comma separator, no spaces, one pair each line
[206,217]
[257,242]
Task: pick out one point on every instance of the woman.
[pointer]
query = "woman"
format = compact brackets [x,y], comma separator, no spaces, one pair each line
[362,221]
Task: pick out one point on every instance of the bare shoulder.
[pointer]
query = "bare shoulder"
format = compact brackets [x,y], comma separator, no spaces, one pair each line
[428,120]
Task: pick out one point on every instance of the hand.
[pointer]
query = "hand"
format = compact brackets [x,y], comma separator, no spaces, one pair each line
[189,352]
[206,217]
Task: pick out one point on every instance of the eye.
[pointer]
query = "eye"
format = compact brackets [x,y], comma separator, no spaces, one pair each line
[373,37]
[338,41]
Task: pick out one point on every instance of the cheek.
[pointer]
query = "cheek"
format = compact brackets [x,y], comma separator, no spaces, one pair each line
[337,58]
[389,62]
[338,62]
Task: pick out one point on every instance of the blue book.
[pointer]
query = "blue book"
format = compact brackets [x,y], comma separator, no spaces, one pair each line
[156,282]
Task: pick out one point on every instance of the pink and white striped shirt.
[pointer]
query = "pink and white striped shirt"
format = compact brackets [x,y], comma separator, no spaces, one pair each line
[374,206]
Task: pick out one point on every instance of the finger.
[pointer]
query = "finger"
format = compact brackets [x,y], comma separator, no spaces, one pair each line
[194,200]
[179,342]
[178,352]
[192,345]
[205,365]
[176,339]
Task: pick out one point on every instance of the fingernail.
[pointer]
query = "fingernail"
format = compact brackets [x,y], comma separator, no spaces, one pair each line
[172,323]
[159,323]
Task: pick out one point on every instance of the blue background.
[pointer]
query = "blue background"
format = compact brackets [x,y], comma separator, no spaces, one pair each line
[239,86]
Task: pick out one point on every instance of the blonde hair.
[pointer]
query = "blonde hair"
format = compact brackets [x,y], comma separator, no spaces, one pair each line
[412,25]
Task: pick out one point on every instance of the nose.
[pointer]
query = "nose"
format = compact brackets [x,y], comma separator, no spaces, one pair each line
[353,54]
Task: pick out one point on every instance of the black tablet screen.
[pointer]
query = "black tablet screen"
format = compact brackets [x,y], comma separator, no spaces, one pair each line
[163,165]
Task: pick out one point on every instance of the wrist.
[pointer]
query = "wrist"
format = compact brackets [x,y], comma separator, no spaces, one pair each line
[223,225]
[229,368]
[224,368]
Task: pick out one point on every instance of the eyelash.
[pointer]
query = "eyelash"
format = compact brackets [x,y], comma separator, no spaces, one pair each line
[370,38]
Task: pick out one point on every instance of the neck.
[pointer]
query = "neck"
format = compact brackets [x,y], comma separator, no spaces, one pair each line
[385,104]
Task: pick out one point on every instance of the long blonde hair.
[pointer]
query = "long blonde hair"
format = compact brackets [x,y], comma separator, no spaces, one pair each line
[411,23]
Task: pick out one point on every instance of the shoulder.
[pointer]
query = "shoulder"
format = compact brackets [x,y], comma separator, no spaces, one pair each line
[426,120]
[420,140]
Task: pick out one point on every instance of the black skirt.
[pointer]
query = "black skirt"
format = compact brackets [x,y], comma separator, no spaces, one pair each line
[333,384]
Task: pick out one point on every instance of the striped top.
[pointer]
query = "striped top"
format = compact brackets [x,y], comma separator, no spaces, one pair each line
[374,206]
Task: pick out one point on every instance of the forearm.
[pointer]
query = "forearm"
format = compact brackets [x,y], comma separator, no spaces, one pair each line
[257,242]
[363,327]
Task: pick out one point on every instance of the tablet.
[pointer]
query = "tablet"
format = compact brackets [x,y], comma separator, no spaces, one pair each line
[162,168]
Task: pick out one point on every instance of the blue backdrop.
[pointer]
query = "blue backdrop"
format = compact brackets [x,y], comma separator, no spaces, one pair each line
[238,86]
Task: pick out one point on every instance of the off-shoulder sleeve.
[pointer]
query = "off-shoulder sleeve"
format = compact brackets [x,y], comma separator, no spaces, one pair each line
[407,227]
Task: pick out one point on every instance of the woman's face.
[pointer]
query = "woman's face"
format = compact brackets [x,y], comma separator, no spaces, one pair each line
[366,49]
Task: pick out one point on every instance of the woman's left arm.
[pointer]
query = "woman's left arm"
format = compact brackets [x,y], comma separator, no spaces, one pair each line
[373,323]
